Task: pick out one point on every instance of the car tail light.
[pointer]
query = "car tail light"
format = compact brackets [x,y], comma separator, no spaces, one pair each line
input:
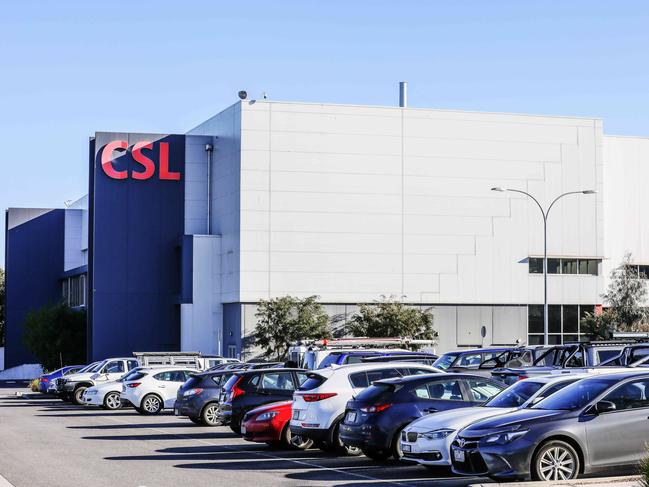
[521,377]
[44,379]
[318,397]
[133,384]
[376,409]
[192,392]
[236,391]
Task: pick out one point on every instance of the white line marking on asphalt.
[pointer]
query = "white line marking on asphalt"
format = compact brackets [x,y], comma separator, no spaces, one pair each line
[268,455]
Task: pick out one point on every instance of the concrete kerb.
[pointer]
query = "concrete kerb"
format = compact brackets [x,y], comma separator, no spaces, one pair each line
[623,481]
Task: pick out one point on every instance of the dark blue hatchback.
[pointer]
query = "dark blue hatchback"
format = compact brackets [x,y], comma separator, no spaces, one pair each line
[375,418]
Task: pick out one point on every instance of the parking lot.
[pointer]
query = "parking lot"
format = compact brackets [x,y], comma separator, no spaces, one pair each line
[45,442]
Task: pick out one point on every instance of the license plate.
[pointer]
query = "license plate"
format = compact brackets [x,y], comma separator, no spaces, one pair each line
[351,417]
[406,448]
[296,414]
[458,455]
[243,430]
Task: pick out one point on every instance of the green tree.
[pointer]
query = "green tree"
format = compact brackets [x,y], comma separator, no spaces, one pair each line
[56,333]
[283,320]
[391,318]
[624,297]
[2,307]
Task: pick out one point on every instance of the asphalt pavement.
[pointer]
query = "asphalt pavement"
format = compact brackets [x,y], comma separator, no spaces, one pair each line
[45,442]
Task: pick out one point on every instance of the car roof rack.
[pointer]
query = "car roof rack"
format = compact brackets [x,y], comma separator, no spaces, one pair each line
[367,342]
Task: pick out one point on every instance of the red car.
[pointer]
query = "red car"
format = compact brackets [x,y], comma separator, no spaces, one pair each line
[270,424]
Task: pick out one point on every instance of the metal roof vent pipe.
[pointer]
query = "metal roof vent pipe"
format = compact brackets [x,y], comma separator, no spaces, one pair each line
[403,94]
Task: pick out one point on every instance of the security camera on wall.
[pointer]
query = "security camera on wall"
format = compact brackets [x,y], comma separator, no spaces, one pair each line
[243,94]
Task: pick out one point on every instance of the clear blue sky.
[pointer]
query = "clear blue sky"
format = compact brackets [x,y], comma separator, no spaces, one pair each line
[70,68]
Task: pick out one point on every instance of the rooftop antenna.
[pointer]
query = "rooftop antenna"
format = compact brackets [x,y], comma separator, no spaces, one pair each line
[403,94]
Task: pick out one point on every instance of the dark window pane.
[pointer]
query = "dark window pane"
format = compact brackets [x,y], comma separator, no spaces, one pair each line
[585,308]
[570,338]
[593,267]
[535,318]
[536,265]
[570,319]
[644,271]
[583,266]
[554,339]
[569,266]
[535,339]
[554,266]
[554,318]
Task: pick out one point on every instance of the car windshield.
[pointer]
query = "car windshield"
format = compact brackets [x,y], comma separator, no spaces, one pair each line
[375,393]
[445,361]
[332,358]
[88,367]
[515,395]
[575,396]
[99,365]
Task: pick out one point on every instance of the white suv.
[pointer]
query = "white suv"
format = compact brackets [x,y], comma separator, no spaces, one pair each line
[110,369]
[319,403]
[152,390]
[107,394]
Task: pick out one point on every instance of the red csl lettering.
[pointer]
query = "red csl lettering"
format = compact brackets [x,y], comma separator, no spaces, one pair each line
[147,163]
[164,164]
[107,159]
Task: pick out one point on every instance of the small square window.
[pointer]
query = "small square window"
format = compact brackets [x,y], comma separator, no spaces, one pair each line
[554,339]
[536,265]
[535,339]
[554,266]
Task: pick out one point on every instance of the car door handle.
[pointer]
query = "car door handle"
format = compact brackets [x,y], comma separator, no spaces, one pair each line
[430,410]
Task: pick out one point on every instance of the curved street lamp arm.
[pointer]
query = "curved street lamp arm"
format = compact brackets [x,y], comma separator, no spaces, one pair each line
[559,197]
[533,199]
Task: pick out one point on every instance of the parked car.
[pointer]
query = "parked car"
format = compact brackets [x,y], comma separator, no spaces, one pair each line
[355,356]
[152,390]
[249,389]
[45,380]
[270,424]
[636,355]
[56,385]
[483,360]
[107,394]
[417,357]
[375,418]
[428,440]
[568,358]
[319,403]
[108,370]
[199,397]
[597,423]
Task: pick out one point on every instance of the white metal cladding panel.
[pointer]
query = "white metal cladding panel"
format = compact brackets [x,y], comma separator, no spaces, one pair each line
[73,255]
[411,188]
[626,200]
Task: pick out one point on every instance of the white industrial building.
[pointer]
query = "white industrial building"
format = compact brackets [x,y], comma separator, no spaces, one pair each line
[354,202]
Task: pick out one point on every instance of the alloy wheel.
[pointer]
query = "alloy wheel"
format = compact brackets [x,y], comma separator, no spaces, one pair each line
[211,414]
[113,401]
[151,404]
[557,463]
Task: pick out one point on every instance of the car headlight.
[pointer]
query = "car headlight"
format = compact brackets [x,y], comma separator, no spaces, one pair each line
[503,438]
[267,416]
[439,434]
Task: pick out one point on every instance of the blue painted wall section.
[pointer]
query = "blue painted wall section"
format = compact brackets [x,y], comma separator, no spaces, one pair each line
[34,260]
[135,252]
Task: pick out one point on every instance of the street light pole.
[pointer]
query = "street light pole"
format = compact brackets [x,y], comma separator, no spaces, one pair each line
[544,214]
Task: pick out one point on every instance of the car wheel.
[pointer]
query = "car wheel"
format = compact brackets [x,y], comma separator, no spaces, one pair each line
[555,460]
[210,415]
[377,455]
[151,404]
[395,448]
[340,447]
[76,397]
[289,440]
[112,401]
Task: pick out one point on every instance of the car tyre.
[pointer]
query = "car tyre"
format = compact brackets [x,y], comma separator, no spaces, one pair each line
[339,446]
[151,404]
[555,460]
[289,440]
[112,401]
[210,414]
[76,396]
[377,455]
[195,420]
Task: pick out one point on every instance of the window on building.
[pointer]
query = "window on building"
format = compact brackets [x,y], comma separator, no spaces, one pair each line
[536,265]
[643,271]
[554,318]
[554,266]
[74,290]
[571,319]
[564,323]
[569,266]
[535,318]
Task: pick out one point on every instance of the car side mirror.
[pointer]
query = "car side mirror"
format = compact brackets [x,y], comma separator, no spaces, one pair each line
[604,407]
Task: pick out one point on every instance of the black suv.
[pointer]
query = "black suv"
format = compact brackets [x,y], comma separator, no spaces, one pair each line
[246,390]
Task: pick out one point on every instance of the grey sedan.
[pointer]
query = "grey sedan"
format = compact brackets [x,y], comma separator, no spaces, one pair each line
[595,424]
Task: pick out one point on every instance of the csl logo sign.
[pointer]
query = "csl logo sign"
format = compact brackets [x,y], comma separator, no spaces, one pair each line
[112,150]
